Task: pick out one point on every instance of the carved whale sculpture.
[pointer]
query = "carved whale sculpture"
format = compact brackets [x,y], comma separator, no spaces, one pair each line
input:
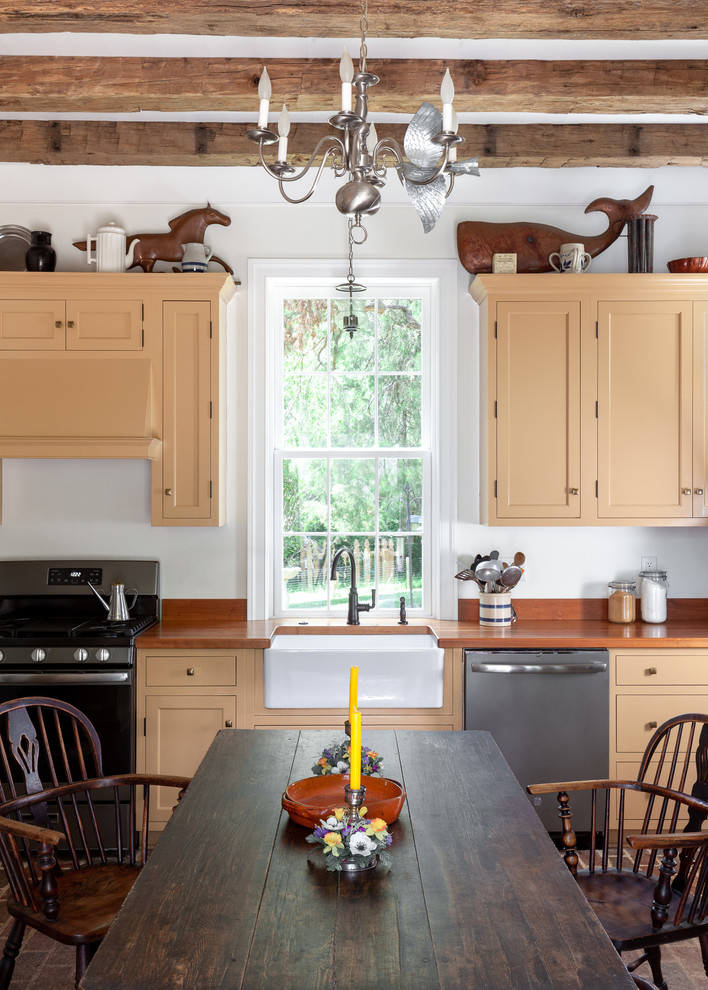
[532,242]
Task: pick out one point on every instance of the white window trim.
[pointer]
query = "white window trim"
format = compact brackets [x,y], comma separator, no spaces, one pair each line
[261,358]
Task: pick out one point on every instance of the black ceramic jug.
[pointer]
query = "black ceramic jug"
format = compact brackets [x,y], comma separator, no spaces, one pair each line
[40,256]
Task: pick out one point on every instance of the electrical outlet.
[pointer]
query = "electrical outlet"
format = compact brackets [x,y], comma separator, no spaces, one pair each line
[649,564]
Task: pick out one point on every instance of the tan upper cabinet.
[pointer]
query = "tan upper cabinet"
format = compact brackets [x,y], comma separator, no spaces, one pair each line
[72,324]
[644,417]
[594,399]
[537,409]
[120,366]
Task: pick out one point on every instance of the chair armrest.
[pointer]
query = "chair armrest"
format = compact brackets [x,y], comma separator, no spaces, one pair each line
[572,785]
[668,840]
[94,783]
[23,830]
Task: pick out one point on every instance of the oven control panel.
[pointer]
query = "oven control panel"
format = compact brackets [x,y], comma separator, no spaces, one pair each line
[75,575]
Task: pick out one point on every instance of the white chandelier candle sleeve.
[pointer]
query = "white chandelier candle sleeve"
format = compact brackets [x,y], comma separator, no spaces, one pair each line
[264,92]
[452,151]
[283,131]
[346,74]
[447,94]
[371,140]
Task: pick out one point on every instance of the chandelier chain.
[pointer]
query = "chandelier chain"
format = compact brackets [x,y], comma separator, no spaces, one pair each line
[363,27]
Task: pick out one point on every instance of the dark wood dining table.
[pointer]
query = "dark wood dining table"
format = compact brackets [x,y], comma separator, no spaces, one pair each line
[477,897]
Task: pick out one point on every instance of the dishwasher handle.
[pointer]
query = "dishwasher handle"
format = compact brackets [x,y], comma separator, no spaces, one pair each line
[593,667]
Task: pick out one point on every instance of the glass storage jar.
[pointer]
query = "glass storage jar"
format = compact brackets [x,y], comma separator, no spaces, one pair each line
[621,601]
[653,595]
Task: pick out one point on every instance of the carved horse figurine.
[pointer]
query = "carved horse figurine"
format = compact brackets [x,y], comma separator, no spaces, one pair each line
[188,228]
[533,242]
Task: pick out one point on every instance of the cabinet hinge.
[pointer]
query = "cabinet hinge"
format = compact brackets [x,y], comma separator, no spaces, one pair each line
[145,726]
[495,408]
[143,337]
[597,489]
[597,330]
[596,409]
[142,306]
[210,330]
[211,410]
[495,489]
[495,329]
[210,489]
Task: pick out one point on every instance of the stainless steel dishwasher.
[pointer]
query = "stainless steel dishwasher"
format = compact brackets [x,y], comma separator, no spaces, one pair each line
[549,712]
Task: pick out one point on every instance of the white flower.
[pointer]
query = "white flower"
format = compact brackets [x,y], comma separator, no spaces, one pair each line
[361,845]
[341,767]
[333,824]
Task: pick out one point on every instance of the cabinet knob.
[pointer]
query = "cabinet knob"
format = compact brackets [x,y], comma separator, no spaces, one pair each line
[652,670]
[653,725]
[685,491]
[70,324]
[58,324]
[168,491]
[697,491]
[229,723]
[190,671]
[573,491]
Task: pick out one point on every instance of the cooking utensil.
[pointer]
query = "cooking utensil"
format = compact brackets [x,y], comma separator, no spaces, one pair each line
[488,571]
[519,558]
[511,576]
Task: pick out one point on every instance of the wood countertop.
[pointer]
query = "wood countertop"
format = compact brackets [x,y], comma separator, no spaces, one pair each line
[685,629]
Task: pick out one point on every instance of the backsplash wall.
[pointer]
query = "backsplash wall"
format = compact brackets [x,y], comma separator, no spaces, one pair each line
[101,508]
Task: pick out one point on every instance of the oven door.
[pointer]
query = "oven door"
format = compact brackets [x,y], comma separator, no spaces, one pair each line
[106,697]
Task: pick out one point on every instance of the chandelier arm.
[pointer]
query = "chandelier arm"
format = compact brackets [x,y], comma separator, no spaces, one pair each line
[335,146]
[452,183]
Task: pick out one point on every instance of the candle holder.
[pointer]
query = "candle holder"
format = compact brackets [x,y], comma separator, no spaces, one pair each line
[354,798]
[353,844]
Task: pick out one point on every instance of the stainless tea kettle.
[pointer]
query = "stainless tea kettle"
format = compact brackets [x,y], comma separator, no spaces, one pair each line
[117,607]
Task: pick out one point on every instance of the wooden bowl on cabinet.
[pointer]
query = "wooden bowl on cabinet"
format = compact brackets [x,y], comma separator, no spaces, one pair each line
[685,265]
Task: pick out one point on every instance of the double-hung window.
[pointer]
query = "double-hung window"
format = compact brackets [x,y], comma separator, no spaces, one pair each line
[352,459]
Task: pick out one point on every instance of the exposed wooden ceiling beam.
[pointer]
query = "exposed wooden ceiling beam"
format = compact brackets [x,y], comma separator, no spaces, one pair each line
[630,20]
[113,85]
[82,142]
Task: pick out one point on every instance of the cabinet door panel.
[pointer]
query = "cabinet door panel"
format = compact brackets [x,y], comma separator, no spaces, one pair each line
[32,325]
[179,732]
[700,409]
[104,325]
[186,411]
[538,409]
[644,409]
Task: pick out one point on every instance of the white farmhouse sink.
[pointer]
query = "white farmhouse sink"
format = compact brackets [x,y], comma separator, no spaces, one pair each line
[396,671]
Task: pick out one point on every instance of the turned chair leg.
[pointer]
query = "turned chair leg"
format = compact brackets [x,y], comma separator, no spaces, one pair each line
[10,953]
[84,955]
[703,942]
[654,960]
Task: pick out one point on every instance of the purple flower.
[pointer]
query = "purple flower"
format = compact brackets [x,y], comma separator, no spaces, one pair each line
[319,831]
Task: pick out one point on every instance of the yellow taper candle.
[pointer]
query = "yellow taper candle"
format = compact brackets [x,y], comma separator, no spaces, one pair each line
[355,752]
[353,690]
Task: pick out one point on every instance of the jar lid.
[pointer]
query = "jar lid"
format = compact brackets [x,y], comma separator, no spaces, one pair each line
[653,575]
[623,585]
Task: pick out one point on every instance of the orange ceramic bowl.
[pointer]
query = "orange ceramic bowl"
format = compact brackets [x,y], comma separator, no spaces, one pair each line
[680,265]
[309,800]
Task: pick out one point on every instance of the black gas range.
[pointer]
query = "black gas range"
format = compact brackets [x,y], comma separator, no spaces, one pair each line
[56,641]
[50,617]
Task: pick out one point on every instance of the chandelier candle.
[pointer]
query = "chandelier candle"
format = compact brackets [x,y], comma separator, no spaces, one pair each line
[283,131]
[346,74]
[264,91]
[447,94]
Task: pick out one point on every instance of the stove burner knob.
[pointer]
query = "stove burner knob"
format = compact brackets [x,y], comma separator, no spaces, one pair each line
[81,655]
[103,654]
[38,655]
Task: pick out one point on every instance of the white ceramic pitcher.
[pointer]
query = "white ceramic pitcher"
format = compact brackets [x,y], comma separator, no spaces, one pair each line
[196,257]
[109,245]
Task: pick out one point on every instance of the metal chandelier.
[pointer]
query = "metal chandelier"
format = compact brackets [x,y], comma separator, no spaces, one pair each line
[427,169]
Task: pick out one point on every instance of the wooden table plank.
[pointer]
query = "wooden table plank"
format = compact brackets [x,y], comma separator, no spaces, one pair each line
[477,896]
[504,911]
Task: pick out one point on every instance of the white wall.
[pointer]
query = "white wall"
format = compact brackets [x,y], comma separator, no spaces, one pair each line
[101,508]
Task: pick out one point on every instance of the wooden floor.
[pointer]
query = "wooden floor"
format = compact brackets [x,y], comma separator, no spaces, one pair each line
[45,964]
